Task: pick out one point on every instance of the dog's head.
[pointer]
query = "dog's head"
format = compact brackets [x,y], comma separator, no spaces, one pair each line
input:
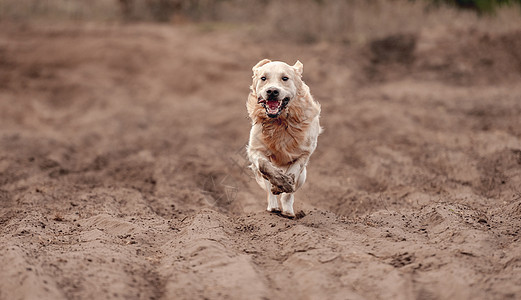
[276,84]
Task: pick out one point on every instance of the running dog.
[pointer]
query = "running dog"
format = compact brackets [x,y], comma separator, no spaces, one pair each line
[284,132]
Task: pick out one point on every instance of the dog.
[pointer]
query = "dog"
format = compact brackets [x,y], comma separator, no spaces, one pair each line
[284,132]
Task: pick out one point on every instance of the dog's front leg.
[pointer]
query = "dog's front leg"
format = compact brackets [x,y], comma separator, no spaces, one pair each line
[280,182]
[273,203]
[297,170]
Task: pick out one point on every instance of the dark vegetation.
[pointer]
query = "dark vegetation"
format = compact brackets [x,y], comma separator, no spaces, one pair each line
[480,6]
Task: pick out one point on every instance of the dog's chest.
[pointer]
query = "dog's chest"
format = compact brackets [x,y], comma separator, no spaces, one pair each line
[283,141]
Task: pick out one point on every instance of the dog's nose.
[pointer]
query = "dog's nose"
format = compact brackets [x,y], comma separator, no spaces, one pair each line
[272,92]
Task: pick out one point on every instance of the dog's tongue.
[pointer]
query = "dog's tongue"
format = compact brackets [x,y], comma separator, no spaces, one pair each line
[273,104]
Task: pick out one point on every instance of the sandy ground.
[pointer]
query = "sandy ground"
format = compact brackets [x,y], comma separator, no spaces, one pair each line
[123,174]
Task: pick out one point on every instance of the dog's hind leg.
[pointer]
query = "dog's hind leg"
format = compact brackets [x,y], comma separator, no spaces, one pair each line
[287,199]
[287,205]
[273,203]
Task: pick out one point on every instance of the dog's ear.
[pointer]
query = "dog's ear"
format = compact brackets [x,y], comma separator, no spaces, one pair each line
[260,64]
[298,67]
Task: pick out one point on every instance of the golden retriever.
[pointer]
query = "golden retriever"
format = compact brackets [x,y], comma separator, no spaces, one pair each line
[284,132]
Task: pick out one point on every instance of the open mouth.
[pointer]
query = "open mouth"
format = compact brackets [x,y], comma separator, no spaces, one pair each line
[274,106]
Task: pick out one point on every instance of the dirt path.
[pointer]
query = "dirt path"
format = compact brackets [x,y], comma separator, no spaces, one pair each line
[123,175]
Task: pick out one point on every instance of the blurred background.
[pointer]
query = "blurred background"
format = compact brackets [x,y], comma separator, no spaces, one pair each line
[304,20]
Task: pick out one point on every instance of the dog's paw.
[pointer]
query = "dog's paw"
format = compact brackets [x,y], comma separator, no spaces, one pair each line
[282,183]
[288,214]
[275,190]
[274,210]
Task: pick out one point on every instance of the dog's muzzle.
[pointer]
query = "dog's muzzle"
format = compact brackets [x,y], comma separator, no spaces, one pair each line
[273,105]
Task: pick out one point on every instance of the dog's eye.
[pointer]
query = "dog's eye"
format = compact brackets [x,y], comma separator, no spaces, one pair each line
[285,78]
[263,78]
